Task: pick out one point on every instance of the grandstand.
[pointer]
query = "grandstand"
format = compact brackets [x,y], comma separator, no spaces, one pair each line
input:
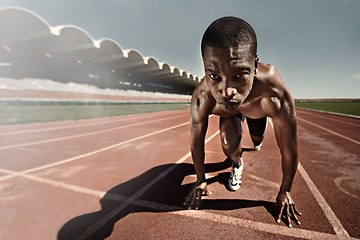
[35,56]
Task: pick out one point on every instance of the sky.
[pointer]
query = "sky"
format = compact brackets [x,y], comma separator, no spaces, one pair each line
[314,44]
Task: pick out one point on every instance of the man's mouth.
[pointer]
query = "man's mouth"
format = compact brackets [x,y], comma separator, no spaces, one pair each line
[229,105]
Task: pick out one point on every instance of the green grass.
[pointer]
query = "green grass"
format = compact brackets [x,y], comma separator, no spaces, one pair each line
[12,114]
[351,108]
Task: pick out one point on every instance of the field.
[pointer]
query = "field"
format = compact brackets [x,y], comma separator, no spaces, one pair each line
[12,114]
[19,114]
[344,107]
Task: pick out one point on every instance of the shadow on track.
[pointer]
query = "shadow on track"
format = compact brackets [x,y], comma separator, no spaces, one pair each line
[167,195]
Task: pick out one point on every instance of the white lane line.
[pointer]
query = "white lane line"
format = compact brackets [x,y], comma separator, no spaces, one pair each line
[259,226]
[53,183]
[198,214]
[101,222]
[331,113]
[329,118]
[96,151]
[78,124]
[328,130]
[330,215]
[81,135]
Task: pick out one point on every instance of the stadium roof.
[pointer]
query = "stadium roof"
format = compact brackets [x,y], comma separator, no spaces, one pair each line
[29,47]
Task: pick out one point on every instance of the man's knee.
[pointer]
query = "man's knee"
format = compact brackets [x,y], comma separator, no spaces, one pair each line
[230,133]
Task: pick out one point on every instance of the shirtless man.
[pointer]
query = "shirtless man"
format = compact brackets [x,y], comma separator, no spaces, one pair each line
[236,85]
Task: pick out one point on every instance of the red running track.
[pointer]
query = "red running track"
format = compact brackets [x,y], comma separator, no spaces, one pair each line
[125,178]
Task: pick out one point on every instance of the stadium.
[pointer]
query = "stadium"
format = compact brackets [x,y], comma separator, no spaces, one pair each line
[32,49]
[85,155]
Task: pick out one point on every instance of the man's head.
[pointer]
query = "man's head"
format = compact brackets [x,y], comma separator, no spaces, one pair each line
[229,32]
[228,49]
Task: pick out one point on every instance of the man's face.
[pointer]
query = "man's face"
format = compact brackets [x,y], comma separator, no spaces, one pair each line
[229,73]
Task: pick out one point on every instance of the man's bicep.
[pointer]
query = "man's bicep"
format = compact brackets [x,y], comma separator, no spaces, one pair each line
[285,125]
[198,119]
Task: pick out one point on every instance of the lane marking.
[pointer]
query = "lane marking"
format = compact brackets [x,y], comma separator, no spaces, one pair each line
[213,217]
[175,210]
[331,118]
[330,215]
[331,113]
[81,135]
[77,124]
[328,130]
[96,151]
[338,181]
[101,222]
[259,226]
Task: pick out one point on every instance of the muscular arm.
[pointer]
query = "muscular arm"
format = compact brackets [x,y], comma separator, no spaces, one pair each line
[199,124]
[281,109]
[285,126]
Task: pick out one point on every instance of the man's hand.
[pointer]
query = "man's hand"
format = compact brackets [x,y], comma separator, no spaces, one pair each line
[286,207]
[193,199]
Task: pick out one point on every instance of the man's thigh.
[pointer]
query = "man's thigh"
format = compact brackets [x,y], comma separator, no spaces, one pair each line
[257,127]
[231,129]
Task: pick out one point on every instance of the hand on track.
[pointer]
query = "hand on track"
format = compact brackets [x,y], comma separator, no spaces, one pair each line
[193,199]
[286,208]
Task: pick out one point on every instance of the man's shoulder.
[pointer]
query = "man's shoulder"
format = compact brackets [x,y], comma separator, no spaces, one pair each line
[270,88]
[268,72]
[202,101]
[269,77]
[201,91]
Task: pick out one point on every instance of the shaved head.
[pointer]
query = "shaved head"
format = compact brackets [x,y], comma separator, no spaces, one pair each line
[229,32]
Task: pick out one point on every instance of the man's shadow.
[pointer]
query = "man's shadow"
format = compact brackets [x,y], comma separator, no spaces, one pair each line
[165,195]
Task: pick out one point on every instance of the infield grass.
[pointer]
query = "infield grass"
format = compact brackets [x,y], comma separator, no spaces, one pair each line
[350,108]
[12,114]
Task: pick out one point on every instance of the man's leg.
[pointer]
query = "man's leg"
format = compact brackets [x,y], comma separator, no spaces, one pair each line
[257,128]
[231,133]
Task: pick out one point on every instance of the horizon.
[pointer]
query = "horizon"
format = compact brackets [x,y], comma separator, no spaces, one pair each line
[312,45]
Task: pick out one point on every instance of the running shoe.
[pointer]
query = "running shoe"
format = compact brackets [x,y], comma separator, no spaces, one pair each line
[235,176]
[258,147]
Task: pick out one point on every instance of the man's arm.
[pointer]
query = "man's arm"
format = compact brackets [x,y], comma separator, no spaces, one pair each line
[199,124]
[285,126]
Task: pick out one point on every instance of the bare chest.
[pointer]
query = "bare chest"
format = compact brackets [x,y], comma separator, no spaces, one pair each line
[251,109]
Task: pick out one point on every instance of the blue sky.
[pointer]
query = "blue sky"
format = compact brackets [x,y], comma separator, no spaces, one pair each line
[315,44]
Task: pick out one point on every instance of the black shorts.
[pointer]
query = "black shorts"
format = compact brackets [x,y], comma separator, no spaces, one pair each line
[257,127]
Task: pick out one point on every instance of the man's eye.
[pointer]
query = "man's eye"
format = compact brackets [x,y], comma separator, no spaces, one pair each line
[240,75]
[214,77]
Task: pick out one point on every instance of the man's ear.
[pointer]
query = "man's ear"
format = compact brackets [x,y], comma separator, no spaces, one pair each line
[256,64]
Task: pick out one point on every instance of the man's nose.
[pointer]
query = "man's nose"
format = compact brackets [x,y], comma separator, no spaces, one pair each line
[228,92]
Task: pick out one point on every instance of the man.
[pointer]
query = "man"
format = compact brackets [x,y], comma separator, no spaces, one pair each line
[236,85]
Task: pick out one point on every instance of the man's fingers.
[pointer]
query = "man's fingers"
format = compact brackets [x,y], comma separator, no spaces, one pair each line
[188,199]
[207,192]
[280,212]
[198,198]
[296,211]
[193,200]
[293,214]
[287,212]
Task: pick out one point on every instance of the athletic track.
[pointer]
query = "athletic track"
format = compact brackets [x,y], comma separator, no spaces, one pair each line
[127,176]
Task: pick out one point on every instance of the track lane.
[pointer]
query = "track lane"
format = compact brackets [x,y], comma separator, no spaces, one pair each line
[118,165]
[332,163]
